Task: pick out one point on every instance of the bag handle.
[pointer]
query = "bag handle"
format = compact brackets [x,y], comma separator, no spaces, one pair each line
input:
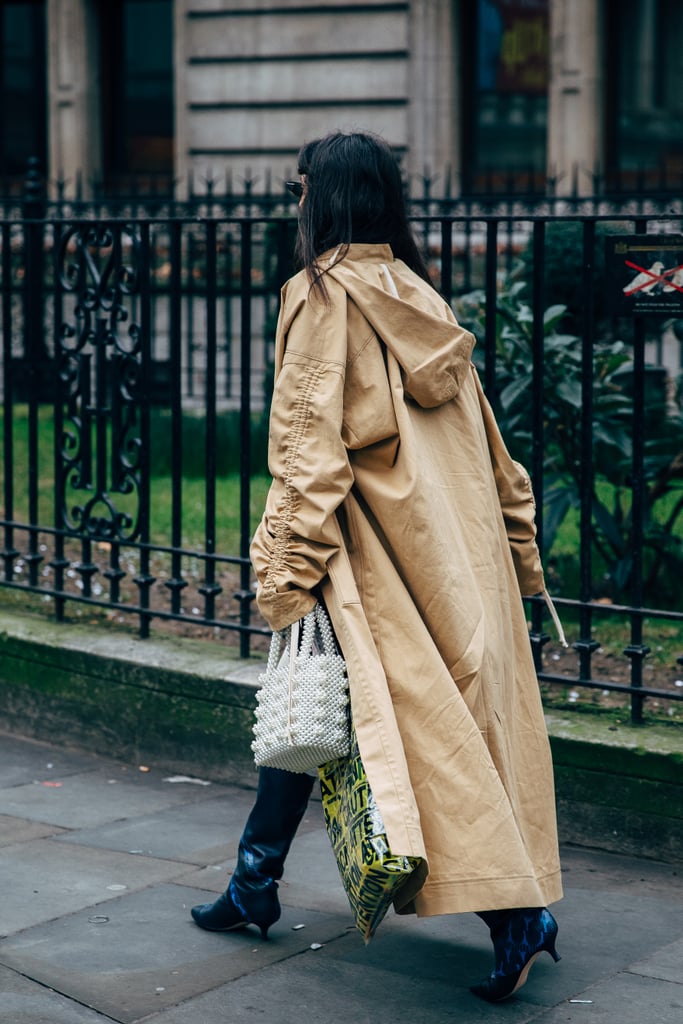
[293,651]
[317,617]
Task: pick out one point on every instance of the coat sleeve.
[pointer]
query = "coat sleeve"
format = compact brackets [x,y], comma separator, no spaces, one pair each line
[308,461]
[517,504]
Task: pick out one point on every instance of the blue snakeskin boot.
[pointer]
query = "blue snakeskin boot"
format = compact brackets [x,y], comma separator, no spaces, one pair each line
[519,936]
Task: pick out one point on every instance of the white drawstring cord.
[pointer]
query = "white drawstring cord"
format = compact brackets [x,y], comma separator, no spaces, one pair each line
[555,617]
[333,257]
[392,284]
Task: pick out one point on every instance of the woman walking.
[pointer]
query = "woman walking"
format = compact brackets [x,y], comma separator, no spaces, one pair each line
[395,501]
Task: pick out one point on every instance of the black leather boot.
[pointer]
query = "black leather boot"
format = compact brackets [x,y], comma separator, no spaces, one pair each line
[251,897]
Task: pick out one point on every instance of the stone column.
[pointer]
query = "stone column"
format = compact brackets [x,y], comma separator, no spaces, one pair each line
[74,135]
[576,97]
[434,121]
[645,57]
[181,159]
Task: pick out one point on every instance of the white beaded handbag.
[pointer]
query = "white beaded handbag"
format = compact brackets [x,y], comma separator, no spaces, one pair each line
[302,714]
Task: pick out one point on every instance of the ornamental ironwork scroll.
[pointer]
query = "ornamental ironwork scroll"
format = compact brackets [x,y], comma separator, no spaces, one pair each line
[101,358]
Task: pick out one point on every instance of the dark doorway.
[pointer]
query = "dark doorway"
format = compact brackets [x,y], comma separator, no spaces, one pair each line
[137,95]
[644,108]
[23,89]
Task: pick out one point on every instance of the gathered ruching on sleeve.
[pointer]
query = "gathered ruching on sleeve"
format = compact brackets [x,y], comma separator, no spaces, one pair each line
[312,475]
[291,499]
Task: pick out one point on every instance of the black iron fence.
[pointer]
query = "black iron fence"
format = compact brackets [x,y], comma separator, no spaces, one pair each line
[507,192]
[136,357]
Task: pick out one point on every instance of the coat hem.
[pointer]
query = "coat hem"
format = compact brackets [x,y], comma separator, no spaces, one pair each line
[484,894]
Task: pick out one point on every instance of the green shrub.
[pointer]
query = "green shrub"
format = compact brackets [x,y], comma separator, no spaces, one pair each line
[612,497]
[562,260]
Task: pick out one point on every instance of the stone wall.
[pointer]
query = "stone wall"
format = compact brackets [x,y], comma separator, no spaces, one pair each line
[188,705]
[253,82]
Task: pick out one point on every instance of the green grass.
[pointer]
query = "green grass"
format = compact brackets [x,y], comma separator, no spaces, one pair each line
[609,630]
[194,511]
[565,545]
[193,502]
[564,548]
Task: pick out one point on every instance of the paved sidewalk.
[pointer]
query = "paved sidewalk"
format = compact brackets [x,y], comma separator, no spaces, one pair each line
[100,863]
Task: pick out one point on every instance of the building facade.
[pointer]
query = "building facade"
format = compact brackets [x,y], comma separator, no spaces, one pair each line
[483,95]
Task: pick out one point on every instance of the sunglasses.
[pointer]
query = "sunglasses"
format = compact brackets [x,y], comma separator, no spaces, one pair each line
[295,187]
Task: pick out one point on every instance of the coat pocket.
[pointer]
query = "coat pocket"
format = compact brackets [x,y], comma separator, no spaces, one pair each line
[341,577]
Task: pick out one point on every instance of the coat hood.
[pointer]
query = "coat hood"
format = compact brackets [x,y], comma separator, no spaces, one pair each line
[414,322]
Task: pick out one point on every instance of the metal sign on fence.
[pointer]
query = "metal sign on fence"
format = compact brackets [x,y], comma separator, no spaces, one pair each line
[644,274]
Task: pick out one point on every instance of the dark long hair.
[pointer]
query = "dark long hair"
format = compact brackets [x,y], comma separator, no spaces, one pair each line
[354,194]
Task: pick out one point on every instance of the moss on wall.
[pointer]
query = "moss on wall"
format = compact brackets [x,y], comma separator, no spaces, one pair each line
[188,705]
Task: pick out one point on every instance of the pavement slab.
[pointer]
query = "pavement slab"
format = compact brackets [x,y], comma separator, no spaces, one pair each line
[24,1001]
[42,880]
[666,964]
[412,972]
[586,868]
[94,798]
[23,761]
[600,935]
[191,835]
[16,830]
[97,933]
[142,952]
[623,999]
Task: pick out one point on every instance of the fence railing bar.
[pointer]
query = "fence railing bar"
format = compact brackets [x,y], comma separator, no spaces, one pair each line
[491,287]
[245,595]
[9,552]
[176,583]
[538,637]
[612,687]
[637,650]
[134,609]
[59,563]
[586,644]
[153,548]
[210,588]
[33,343]
[144,579]
[447,261]
[609,608]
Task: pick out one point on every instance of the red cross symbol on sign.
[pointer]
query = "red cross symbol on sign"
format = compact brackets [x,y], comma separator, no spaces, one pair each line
[650,278]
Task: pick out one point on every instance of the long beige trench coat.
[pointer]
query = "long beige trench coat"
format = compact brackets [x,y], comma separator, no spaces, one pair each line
[393,491]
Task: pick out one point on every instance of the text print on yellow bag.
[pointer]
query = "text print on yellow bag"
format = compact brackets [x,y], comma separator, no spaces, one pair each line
[302,717]
[371,873]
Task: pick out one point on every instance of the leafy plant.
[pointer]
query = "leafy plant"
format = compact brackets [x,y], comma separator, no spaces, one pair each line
[612,507]
[562,254]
